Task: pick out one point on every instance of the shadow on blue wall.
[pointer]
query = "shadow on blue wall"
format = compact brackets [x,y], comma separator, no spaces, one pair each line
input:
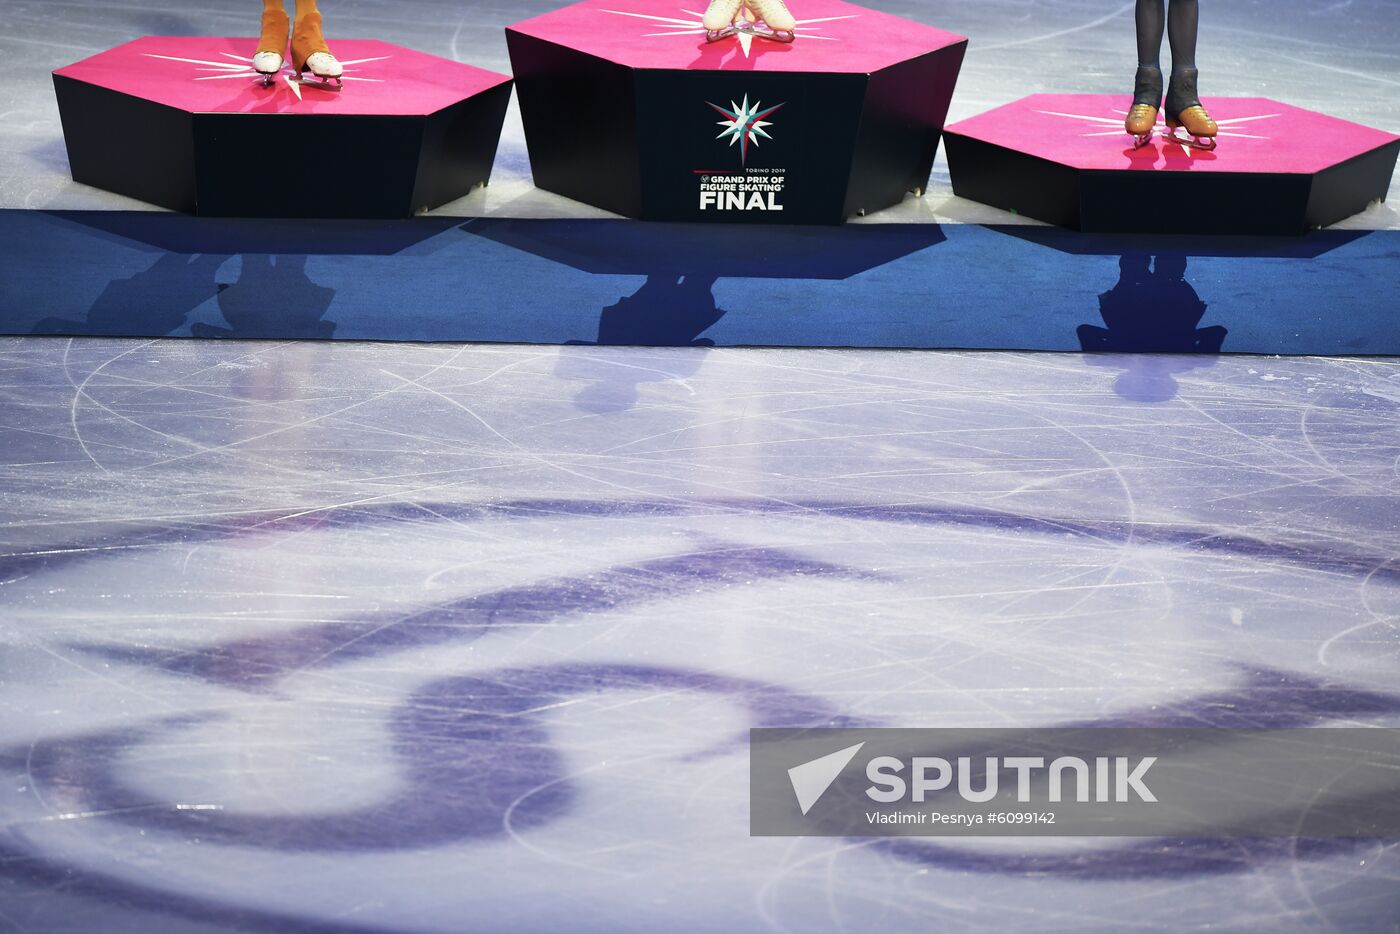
[1152,310]
[606,282]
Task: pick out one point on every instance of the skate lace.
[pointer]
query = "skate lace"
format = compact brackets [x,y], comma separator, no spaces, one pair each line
[1198,112]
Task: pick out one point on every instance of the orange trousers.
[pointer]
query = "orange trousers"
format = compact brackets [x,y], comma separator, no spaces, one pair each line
[306,37]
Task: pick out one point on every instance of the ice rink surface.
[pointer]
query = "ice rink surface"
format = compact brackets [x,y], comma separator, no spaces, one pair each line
[370,637]
[302,636]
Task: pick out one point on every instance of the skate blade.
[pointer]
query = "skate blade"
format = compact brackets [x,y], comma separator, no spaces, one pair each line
[762,30]
[317,82]
[1203,143]
[1140,139]
[716,35]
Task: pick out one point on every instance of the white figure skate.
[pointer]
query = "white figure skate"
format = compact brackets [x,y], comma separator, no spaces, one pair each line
[325,69]
[719,19]
[267,65]
[272,42]
[772,20]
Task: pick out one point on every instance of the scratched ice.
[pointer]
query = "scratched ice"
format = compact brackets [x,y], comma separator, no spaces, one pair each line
[414,638]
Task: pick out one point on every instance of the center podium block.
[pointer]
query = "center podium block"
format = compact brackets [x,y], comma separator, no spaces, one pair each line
[627,107]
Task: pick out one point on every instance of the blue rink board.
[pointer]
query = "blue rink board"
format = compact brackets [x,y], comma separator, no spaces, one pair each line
[137,274]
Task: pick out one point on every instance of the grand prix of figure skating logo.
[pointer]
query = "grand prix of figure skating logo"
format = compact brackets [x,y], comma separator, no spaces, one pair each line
[694,26]
[744,123]
[239,66]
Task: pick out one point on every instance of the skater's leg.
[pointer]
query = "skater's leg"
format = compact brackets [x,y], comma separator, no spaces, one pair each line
[272,44]
[1147,83]
[1183,103]
[309,49]
[1151,25]
[1182,24]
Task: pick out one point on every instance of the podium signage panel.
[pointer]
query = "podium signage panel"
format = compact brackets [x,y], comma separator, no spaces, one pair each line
[748,148]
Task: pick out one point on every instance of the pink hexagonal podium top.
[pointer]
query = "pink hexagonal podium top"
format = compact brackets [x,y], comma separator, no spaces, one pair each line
[215,75]
[832,36]
[1256,135]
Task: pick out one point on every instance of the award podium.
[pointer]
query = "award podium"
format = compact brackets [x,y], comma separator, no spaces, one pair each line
[1065,159]
[185,123]
[627,107]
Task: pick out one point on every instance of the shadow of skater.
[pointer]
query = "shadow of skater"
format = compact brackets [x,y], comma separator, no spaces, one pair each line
[667,311]
[273,298]
[152,303]
[1152,315]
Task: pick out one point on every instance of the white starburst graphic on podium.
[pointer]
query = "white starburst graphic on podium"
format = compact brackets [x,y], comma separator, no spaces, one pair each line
[241,67]
[744,124]
[1113,126]
[674,26]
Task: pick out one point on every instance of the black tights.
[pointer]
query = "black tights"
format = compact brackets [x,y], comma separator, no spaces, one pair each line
[1179,24]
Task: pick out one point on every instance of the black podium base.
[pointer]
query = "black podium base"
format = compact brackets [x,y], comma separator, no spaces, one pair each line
[184,123]
[1275,170]
[627,107]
